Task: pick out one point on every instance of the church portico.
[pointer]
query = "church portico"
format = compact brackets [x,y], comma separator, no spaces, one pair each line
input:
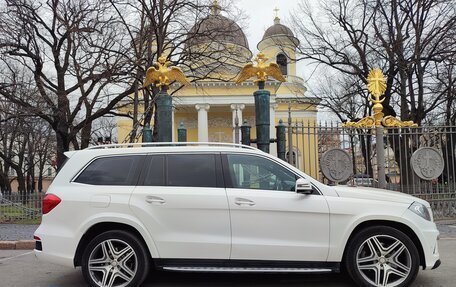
[212,122]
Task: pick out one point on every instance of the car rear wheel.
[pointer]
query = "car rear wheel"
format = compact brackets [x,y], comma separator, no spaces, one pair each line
[115,259]
[382,256]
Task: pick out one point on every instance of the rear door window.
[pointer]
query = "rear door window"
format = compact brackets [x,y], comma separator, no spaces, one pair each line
[192,170]
[117,170]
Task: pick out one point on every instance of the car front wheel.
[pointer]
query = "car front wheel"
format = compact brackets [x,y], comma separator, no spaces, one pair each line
[115,259]
[382,256]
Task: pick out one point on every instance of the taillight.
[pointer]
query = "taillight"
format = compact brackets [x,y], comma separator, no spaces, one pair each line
[50,201]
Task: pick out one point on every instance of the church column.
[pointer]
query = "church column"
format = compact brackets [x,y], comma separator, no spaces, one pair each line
[203,128]
[237,108]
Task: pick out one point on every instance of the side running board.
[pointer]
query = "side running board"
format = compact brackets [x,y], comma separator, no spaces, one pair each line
[248,269]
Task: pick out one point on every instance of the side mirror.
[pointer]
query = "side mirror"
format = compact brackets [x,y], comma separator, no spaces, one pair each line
[303,186]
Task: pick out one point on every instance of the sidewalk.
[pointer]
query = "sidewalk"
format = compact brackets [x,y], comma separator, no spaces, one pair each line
[17,236]
[20,236]
[12,232]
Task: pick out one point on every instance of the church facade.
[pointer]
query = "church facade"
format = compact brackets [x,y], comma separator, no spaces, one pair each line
[210,109]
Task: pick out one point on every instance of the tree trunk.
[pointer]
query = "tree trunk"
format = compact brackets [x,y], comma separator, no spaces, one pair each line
[85,135]
[40,181]
[135,111]
[365,141]
[62,146]
[21,185]
[40,175]
[3,182]
[28,182]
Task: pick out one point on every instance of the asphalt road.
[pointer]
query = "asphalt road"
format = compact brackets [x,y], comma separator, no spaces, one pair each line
[21,268]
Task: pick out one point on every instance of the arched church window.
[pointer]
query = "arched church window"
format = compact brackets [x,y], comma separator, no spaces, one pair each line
[282,62]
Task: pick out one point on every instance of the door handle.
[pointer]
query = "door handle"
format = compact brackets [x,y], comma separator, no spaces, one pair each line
[155,199]
[244,202]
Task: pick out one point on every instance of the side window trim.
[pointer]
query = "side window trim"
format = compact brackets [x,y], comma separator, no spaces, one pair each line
[146,164]
[139,170]
[226,171]
[220,178]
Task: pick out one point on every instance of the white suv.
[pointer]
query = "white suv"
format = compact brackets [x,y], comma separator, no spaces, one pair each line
[120,211]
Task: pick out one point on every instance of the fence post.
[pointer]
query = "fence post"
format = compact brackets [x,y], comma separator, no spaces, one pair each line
[147,134]
[380,146]
[262,117]
[164,115]
[281,142]
[290,137]
[181,133]
[245,133]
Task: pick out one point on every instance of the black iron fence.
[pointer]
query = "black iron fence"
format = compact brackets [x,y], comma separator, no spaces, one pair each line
[309,141]
[18,207]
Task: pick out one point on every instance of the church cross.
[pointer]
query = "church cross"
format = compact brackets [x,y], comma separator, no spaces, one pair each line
[276,10]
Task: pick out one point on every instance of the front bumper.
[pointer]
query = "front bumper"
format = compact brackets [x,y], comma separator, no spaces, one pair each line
[428,236]
[437,264]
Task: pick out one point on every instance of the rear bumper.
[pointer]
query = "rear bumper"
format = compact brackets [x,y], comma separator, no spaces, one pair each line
[54,247]
[54,258]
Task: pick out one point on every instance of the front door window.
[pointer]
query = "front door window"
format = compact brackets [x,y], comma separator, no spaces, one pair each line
[253,172]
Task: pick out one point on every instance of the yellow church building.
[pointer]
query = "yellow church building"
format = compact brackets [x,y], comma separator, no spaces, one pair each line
[209,109]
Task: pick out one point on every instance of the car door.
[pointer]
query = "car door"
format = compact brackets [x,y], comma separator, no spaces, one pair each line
[270,221]
[182,200]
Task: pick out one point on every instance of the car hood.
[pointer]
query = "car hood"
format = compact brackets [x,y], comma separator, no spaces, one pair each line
[376,194]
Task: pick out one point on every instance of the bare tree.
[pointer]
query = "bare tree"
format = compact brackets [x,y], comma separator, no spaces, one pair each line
[407,39]
[13,140]
[82,58]
[27,145]
[76,58]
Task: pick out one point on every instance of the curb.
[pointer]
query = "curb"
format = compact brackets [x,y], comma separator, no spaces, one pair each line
[17,245]
[446,222]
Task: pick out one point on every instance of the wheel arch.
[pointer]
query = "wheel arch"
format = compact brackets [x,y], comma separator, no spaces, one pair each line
[100,228]
[393,224]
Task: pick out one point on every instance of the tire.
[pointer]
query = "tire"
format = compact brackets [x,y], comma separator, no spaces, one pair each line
[116,259]
[382,256]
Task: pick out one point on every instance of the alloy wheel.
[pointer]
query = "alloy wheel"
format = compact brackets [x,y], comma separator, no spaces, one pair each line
[384,260]
[113,263]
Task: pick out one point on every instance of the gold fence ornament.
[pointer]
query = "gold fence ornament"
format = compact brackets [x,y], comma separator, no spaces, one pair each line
[164,75]
[390,121]
[376,85]
[261,71]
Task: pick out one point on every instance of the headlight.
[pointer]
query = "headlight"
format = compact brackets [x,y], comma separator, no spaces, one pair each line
[420,210]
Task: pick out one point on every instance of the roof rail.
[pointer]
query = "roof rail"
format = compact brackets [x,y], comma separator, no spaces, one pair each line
[164,144]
